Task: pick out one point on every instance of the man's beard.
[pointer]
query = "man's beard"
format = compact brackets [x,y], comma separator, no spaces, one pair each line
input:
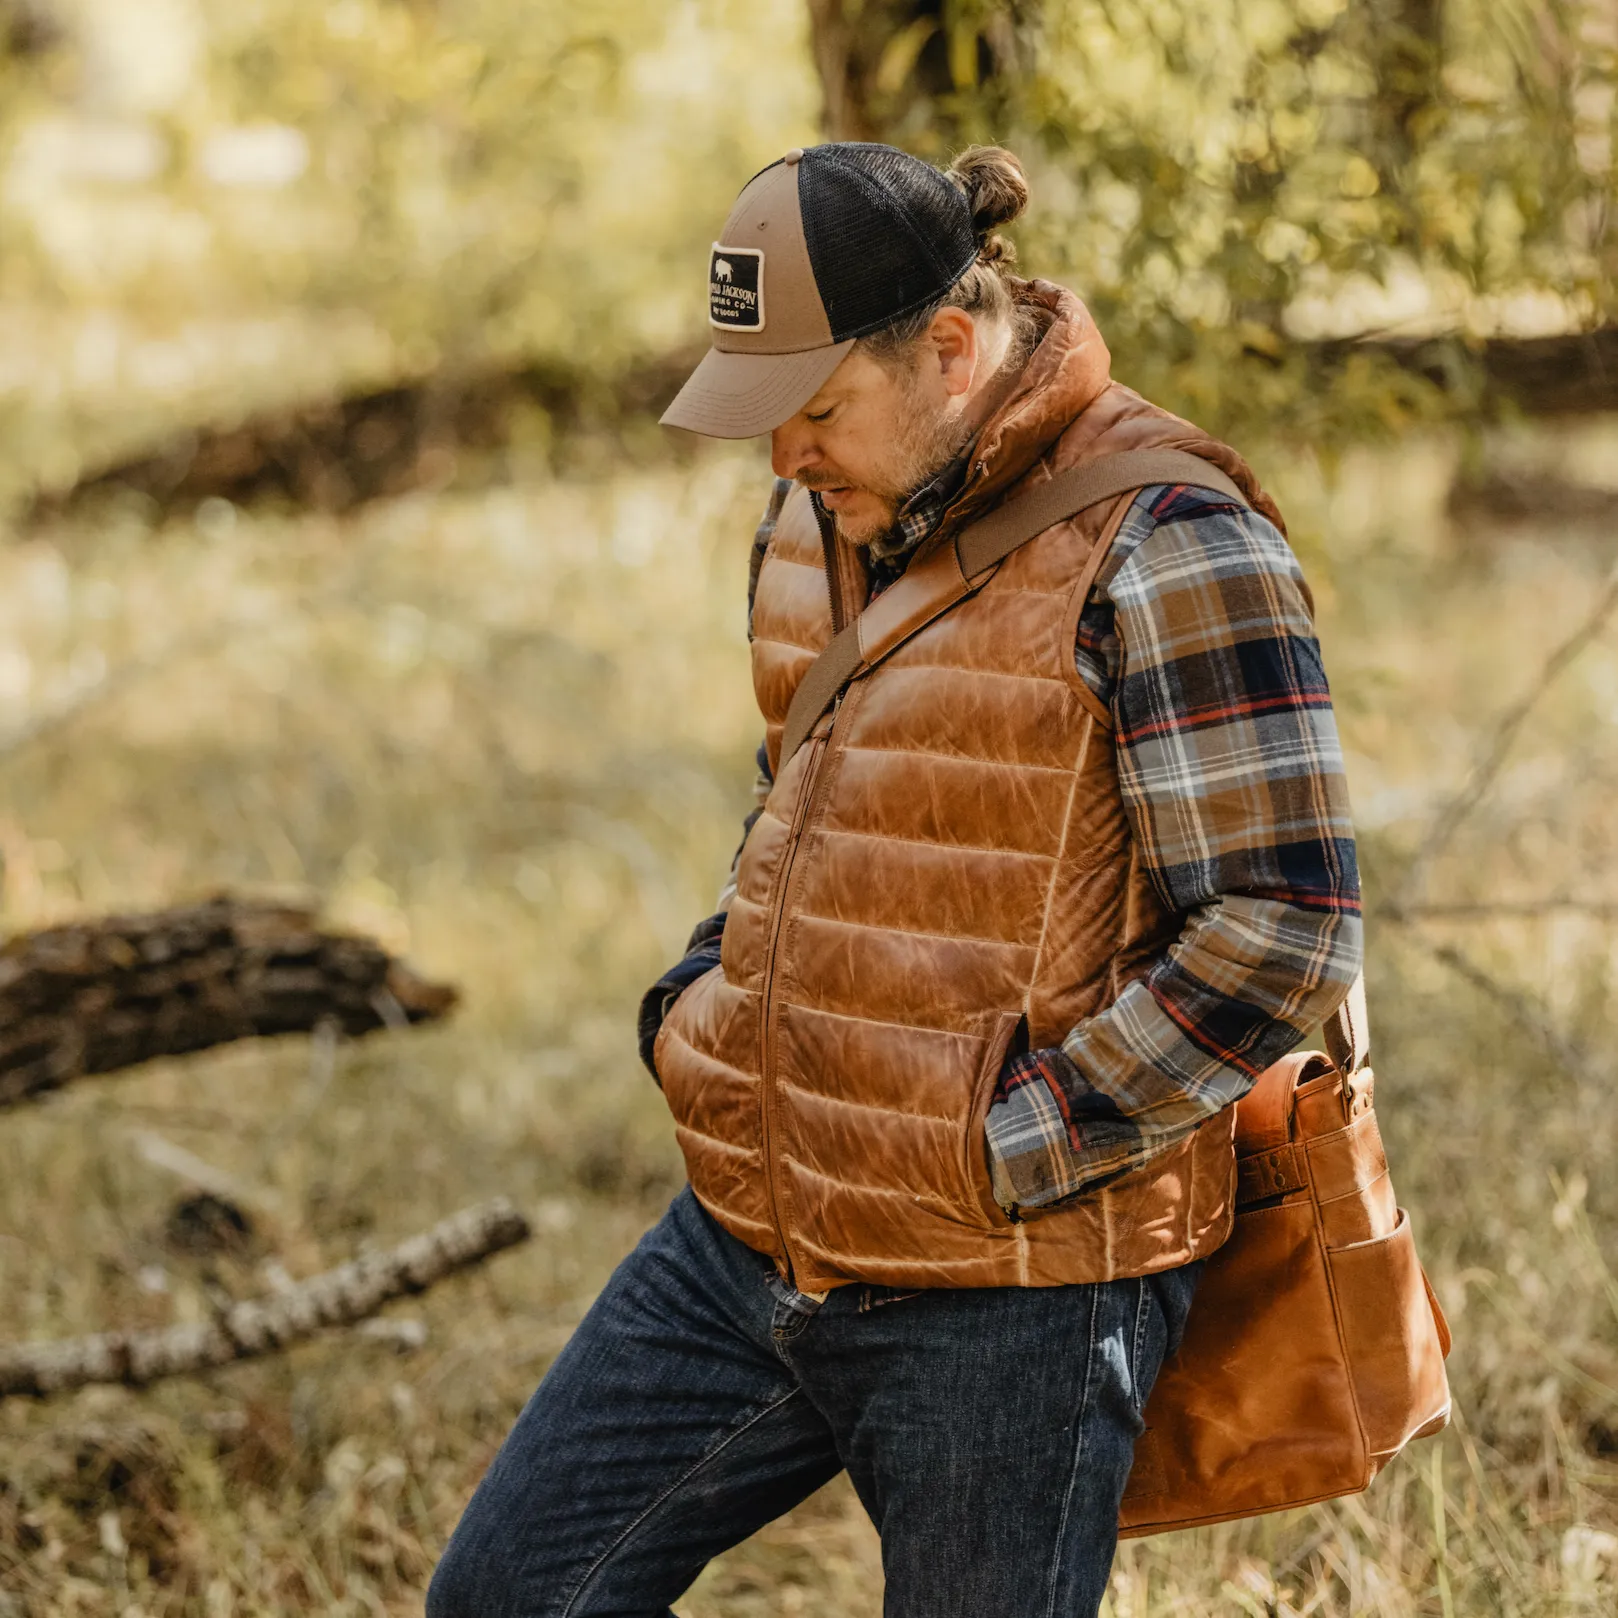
[924,444]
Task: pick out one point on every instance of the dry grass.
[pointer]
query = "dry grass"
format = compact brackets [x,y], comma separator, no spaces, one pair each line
[510,732]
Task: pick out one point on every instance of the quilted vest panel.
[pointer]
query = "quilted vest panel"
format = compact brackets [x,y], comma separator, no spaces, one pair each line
[945,867]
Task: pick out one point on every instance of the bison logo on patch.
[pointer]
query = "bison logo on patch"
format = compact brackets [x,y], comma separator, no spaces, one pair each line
[736,288]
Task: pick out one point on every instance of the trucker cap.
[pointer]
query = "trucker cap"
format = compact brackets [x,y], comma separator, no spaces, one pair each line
[823,247]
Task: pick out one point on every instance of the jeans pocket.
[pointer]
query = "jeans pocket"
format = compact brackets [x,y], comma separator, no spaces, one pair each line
[1174,1291]
[1162,1302]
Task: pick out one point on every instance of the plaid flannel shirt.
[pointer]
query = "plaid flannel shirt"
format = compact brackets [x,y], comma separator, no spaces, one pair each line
[1198,637]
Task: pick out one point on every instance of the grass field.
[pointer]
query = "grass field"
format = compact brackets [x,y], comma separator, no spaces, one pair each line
[508,730]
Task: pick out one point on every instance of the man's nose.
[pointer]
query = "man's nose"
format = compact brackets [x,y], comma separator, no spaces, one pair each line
[792,451]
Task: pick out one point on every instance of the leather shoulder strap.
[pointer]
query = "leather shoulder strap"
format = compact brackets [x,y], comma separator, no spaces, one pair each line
[951,575]
[997,535]
[1348,1032]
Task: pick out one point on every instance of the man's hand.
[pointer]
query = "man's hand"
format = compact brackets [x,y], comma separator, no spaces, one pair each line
[1050,1135]
[1030,1143]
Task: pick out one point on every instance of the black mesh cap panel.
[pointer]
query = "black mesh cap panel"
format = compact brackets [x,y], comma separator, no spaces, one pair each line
[887,234]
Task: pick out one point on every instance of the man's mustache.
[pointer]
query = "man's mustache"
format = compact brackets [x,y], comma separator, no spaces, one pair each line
[825,480]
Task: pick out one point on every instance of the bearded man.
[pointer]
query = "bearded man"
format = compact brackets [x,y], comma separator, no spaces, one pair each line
[1053,861]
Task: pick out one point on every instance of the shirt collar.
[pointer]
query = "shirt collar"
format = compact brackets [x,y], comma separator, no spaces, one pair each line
[917,519]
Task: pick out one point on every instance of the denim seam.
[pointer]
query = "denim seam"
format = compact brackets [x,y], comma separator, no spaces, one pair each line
[1135,1397]
[789,1330]
[679,1483]
[1078,1453]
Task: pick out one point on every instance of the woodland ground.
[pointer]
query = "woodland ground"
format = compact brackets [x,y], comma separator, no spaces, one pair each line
[508,730]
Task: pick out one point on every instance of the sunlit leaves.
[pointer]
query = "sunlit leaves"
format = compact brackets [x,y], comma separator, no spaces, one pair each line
[537,180]
[1278,151]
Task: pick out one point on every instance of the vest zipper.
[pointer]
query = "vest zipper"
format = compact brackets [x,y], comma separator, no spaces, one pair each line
[808,806]
[808,803]
[834,568]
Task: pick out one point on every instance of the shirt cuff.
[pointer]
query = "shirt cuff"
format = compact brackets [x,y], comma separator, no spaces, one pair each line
[1039,1154]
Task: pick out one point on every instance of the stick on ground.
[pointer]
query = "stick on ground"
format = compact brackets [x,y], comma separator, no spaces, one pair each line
[260,1326]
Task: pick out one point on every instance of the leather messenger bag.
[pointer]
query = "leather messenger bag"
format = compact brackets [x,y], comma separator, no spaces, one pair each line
[1314,1351]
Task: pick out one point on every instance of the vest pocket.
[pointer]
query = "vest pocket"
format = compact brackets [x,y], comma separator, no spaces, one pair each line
[1007,1029]
[688,1012]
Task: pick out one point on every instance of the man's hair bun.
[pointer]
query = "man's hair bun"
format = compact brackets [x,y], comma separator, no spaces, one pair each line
[997,191]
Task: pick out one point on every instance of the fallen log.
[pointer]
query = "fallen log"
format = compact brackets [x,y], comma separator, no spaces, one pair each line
[335,454]
[95,996]
[1570,373]
[251,1329]
[1494,496]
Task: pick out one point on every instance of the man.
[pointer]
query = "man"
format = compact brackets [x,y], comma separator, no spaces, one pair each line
[1050,881]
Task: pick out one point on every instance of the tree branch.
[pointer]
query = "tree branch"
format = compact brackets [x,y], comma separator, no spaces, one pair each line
[1525,1009]
[335,454]
[100,995]
[1450,817]
[261,1326]
[1512,909]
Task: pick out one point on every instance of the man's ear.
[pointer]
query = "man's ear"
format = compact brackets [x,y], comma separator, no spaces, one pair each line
[953,338]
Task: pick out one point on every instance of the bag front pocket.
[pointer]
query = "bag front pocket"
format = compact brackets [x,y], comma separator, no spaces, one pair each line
[1390,1333]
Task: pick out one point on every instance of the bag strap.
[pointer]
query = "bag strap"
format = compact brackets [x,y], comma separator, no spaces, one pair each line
[995,536]
[1264,1114]
[1348,1033]
[934,585]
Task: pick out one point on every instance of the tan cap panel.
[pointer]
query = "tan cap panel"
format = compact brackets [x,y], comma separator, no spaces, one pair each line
[767,217]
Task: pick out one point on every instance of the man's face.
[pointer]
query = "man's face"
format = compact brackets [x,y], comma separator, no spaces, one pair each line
[876,432]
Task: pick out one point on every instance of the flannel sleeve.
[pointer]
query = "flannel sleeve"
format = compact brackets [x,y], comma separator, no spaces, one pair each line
[1200,640]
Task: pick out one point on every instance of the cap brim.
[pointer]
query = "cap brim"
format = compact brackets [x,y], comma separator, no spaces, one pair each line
[743,395]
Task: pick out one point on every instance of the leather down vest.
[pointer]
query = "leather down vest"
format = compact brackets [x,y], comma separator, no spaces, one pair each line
[944,867]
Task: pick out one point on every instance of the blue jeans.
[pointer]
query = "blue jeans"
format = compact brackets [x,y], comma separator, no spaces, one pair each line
[988,1432]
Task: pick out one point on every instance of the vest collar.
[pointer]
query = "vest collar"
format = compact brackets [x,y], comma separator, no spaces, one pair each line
[1068,370]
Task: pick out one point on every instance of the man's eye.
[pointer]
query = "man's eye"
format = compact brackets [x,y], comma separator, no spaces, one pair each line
[819,416]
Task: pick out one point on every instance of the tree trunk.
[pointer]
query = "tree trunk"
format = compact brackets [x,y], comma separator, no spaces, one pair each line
[106,994]
[1404,49]
[917,73]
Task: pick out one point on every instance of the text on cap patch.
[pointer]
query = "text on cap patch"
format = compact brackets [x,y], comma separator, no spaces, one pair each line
[736,288]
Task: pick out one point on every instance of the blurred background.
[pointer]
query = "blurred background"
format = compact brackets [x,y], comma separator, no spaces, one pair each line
[342,562]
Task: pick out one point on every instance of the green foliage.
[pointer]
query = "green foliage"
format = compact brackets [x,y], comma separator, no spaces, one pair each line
[398,187]
[1225,178]
[535,179]
[210,205]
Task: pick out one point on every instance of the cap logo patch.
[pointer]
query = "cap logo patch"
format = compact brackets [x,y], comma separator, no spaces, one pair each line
[736,288]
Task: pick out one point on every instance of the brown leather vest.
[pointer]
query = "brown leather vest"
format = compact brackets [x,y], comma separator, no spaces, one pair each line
[946,857]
